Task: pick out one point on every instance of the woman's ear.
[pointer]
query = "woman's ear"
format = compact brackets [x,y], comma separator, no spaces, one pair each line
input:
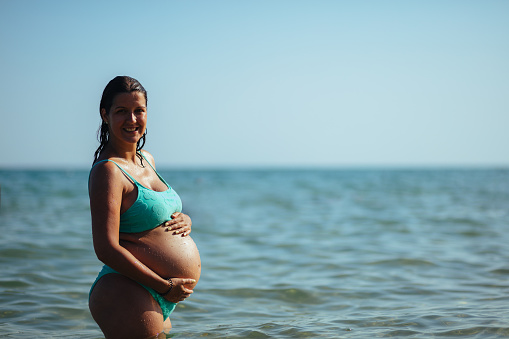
[104,116]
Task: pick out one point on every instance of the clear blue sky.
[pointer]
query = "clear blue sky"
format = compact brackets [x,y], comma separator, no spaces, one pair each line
[261,83]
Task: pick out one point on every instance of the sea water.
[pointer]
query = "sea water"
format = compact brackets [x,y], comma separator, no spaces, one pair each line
[285,254]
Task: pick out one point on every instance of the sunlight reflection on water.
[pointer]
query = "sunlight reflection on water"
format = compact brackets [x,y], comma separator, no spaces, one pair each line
[351,254]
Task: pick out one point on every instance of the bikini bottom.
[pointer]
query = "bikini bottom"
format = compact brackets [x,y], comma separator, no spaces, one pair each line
[167,307]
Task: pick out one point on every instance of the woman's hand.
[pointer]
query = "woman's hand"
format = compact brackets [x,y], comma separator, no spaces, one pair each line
[179,292]
[180,224]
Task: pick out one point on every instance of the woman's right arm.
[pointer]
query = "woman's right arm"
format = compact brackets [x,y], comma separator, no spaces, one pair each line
[106,188]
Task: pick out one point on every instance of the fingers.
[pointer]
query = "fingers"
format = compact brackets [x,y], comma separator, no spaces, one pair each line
[176,218]
[183,281]
[180,292]
[187,281]
[184,230]
[185,294]
[180,223]
[174,224]
[182,286]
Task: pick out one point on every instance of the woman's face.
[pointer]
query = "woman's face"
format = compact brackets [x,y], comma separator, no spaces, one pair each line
[127,118]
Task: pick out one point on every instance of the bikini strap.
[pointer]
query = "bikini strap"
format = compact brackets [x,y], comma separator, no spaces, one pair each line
[127,174]
[160,177]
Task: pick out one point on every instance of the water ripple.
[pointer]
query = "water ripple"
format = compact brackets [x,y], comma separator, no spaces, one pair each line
[285,254]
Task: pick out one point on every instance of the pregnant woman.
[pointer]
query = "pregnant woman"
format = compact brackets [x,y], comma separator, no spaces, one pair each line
[139,232]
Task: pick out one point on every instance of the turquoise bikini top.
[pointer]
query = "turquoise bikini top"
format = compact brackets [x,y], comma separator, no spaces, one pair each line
[151,208]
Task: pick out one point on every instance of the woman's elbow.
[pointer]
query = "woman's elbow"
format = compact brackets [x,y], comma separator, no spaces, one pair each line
[104,253]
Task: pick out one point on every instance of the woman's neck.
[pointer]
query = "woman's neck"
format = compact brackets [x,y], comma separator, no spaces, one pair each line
[127,153]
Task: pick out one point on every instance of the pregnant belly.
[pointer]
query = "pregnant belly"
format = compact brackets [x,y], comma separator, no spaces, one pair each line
[166,254]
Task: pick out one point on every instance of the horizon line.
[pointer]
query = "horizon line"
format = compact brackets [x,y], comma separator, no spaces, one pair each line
[282,167]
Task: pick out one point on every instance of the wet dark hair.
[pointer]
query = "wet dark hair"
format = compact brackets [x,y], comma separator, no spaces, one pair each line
[119,84]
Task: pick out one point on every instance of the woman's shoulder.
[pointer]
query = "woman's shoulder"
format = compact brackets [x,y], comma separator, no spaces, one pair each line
[146,154]
[104,170]
[103,165]
[149,157]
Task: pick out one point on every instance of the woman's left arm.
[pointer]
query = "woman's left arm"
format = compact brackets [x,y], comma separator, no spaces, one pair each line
[179,224]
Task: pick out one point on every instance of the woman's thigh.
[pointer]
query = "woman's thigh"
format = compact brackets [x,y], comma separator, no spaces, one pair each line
[124,309]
